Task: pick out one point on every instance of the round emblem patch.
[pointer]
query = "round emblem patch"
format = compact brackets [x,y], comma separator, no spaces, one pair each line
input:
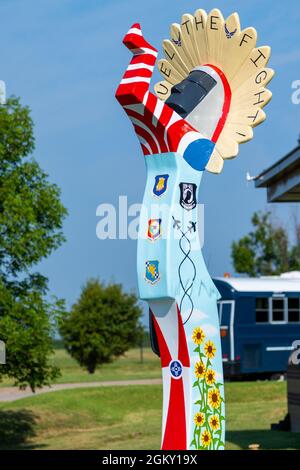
[176,369]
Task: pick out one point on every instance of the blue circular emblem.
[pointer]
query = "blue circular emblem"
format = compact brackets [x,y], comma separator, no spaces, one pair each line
[176,369]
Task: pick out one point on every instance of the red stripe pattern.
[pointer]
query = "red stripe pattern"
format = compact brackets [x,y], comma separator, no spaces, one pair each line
[226,104]
[158,127]
[175,432]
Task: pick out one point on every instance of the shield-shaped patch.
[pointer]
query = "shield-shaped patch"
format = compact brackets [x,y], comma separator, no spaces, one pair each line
[160,185]
[154,229]
[188,198]
[152,271]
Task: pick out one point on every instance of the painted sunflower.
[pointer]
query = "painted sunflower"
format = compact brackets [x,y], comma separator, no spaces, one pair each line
[210,349]
[200,370]
[210,377]
[206,438]
[214,422]
[199,419]
[198,335]
[214,398]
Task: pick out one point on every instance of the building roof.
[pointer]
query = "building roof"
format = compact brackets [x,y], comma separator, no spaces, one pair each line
[283,283]
[282,179]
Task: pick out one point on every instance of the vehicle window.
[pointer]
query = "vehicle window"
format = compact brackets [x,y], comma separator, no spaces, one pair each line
[282,310]
[262,310]
[293,310]
[278,310]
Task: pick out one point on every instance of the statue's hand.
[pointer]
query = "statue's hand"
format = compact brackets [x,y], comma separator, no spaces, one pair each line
[136,79]
[136,42]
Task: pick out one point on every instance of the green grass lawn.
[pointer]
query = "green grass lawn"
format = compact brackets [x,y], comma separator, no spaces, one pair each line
[127,367]
[130,418]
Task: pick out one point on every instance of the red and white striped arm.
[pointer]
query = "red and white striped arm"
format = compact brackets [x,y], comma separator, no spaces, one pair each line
[158,127]
[135,82]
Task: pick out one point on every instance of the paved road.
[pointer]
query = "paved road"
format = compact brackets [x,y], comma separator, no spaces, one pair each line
[13,393]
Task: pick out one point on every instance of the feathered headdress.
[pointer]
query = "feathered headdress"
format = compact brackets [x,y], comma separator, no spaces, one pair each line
[208,39]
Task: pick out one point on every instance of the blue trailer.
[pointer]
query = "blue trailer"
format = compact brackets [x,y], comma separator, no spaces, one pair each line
[260,321]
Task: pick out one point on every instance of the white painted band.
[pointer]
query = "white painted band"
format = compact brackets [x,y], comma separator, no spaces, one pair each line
[134,80]
[135,31]
[140,65]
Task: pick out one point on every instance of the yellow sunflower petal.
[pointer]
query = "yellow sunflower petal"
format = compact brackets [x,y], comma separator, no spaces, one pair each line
[198,336]
[199,419]
[200,370]
[210,377]
[210,349]
[214,398]
[214,422]
[206,438]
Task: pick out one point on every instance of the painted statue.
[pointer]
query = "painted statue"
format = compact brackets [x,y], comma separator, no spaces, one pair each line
[211,97]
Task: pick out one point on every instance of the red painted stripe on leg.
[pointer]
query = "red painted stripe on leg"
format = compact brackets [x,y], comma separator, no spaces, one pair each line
[175,431]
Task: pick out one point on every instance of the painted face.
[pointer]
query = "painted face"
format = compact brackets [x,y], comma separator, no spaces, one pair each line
[186,95]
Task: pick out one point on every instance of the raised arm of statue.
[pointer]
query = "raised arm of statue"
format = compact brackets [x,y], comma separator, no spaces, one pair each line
[159,128]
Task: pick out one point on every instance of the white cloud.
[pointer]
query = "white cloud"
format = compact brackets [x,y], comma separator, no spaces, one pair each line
[196,317]
[210,330]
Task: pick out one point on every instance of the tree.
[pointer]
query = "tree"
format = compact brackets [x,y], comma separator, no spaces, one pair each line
[102,325]
[31,216]
[265,250]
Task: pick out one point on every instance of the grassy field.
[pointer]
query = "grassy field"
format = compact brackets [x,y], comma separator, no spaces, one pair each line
[128,367]
[130,418]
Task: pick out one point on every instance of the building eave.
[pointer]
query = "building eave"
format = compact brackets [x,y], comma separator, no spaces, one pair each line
[282,179]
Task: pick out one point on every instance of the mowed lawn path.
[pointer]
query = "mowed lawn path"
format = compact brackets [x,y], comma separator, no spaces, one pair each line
[129,417]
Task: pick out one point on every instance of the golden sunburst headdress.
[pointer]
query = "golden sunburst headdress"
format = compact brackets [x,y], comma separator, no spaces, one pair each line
[203,39]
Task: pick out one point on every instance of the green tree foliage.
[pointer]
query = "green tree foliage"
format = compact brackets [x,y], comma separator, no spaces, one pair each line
[31,216]
[265,250]
[102,325]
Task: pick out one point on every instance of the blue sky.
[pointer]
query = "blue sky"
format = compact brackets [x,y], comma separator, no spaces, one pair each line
[65,59]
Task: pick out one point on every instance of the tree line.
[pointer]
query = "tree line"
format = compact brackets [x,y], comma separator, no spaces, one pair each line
[101,325]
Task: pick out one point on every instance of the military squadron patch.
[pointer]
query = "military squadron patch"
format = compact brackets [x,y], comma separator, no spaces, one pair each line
[188,195]
[160,185]
[154,229]
[152,271]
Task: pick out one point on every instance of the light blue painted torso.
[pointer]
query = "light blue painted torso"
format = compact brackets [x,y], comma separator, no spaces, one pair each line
[183,274]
